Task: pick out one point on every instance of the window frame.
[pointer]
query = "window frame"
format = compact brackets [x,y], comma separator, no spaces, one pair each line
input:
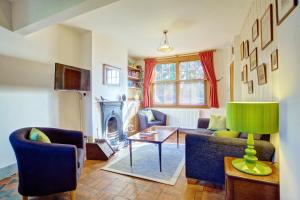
[177,60]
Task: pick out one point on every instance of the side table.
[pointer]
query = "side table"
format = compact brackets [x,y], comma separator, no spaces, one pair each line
[242,186]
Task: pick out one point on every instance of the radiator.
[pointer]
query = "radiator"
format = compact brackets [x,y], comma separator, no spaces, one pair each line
[183,118]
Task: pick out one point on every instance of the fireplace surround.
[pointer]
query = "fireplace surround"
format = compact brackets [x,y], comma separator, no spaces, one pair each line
[111,120]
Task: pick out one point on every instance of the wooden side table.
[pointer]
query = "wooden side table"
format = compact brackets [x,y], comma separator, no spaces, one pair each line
[242,186]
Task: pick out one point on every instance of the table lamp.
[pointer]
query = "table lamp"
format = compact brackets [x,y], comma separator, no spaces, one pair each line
[250,118]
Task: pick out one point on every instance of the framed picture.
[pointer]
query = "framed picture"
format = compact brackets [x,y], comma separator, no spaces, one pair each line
[266,28]
[242,76]
[242,50]
[253,59]
[245,73]
[255,30]
[246,49]
[274,60]
[262,74]
[250,87]
[284,8]
[111,75]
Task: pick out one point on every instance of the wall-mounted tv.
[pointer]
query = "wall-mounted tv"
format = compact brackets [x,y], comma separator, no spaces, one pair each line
[71,78]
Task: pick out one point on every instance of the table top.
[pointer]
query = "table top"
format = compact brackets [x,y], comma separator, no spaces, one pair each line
[161,135]
[270,179]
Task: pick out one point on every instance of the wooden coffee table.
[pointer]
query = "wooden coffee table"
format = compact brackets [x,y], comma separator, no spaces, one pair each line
[163,133]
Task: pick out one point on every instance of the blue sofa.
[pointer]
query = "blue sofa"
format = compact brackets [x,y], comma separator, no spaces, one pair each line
[160,119]
[205,153]
[48,168]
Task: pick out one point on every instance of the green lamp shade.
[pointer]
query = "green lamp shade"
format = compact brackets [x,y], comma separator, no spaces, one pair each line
[253,117]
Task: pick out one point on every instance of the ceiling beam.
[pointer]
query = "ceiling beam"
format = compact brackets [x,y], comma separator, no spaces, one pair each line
[29,16]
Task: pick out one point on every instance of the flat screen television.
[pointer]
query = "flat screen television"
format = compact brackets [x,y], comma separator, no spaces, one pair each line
[71,78]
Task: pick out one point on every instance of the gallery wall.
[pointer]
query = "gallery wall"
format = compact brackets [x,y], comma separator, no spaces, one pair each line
[282,86]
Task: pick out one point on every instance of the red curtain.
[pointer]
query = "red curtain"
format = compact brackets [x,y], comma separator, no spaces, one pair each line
[149,66]
[207,59]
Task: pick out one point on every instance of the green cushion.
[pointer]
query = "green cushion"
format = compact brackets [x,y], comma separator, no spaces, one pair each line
[37,135]
[149,115]
[217,122]
[227,134]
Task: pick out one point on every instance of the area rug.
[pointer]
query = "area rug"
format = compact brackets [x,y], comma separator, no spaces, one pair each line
[146,163]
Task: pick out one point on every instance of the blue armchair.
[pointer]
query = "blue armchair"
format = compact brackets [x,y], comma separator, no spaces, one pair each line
[160,119]
[48,168]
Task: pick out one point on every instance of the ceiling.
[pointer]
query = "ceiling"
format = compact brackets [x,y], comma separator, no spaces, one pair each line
[193,25]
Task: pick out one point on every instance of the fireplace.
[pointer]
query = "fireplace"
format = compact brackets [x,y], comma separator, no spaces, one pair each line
[112,123]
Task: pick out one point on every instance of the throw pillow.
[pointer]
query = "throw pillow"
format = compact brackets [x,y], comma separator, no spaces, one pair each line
[37,135]
[149,115]
[227,134]
[217,122]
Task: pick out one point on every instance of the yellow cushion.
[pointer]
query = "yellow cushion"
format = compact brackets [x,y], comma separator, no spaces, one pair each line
[227,134]
[217,122]
[37,135]
[149,115]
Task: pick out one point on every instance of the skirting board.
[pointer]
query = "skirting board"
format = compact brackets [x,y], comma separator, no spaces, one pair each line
[8,171]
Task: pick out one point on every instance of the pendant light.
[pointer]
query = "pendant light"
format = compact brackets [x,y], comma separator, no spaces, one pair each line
[165,46]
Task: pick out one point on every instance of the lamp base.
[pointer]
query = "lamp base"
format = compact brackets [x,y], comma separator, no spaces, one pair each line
[254,168]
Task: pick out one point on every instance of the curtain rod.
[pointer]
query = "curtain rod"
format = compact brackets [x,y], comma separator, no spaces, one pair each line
[181,55]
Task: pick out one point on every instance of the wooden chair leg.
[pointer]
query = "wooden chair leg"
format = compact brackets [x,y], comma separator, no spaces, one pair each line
[73,195]
[192,181]
[25,198]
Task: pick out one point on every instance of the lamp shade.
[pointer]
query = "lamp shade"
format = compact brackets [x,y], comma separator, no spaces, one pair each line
[253,117]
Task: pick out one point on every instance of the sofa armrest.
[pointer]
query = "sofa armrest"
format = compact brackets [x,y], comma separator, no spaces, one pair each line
[45,168]
[62,136]
[203,123]
[160,116]
[143,121]
[205,155]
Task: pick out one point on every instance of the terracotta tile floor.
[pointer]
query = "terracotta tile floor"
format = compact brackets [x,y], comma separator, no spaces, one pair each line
[96,184]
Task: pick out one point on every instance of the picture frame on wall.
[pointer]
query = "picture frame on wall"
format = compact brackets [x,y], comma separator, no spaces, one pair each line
[255,30]
[242,76]
[253,59]
[111,75]
[266,28]
[250,87]
[274,60]
[245,73]
[284,8]
[242,50]
[262,74]
[246,49]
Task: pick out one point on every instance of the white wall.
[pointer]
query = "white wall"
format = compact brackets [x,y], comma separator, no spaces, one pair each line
[283,86]
[106,51]
[287,91]
[27,97]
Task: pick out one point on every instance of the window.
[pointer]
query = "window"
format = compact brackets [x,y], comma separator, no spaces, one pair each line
[111,75]
[179,82]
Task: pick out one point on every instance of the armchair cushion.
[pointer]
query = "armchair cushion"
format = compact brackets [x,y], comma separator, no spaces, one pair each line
[149,115]
[37,135]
